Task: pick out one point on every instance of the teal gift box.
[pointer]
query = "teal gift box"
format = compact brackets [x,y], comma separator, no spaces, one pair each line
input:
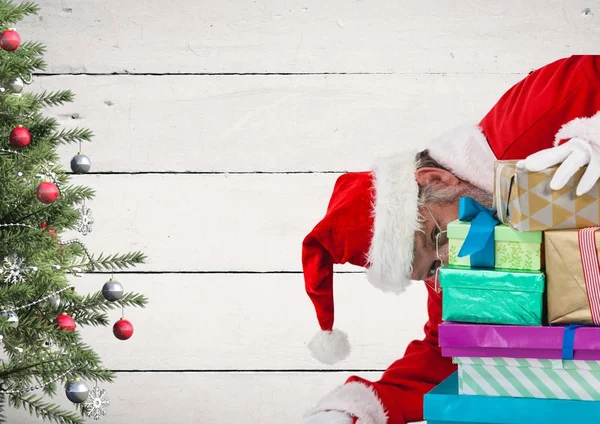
[513,249]
[485,296]
[443,405]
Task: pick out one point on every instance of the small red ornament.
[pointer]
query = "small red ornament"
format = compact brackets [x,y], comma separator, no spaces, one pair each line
[20,137]
[47,192]
[65,322]
[51,230]
[10,40]
[123,329]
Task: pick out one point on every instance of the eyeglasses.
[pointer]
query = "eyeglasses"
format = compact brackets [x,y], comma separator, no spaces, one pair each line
[440,239]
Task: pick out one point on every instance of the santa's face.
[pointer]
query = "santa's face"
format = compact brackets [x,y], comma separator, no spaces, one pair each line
[431,243]
[440,195]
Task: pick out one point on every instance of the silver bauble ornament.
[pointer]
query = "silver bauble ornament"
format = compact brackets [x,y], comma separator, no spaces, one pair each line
[12,318]
[54,302]
[112,290]
[80,163]
[16,85]
[77,390]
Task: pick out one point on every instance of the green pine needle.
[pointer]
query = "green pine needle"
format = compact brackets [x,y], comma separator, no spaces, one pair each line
[11,13]
[72,135]
[54,98]
[41,265]
[44,410]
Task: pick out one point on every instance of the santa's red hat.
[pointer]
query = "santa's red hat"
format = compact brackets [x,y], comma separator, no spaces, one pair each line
[370,222]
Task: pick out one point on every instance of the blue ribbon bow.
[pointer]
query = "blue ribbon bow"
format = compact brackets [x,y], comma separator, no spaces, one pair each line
[479,242]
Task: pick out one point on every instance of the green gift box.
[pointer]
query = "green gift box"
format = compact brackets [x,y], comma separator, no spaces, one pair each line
[513,249]
[485,296]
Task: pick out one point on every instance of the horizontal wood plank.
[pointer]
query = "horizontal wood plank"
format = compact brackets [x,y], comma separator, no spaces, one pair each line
[265,123]
[252,222]
[235,36]
[252,322]
[213,398]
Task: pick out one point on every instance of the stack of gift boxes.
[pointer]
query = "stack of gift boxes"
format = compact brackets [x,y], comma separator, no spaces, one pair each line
[521,306]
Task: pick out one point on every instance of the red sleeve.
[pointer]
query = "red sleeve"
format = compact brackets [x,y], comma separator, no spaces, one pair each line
[528,116]
[398,395]
[405,382]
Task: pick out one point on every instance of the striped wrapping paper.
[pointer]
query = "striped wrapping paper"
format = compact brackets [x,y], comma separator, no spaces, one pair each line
[530,378]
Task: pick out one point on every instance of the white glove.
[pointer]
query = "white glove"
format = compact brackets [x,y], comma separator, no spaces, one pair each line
[571,155]
[328,417]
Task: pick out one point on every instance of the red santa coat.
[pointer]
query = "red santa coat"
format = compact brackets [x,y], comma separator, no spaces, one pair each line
[551,105]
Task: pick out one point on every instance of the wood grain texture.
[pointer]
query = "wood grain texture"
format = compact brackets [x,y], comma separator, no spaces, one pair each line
[265,123]
[252,322]
[236,36]
[224,223]
[209,398]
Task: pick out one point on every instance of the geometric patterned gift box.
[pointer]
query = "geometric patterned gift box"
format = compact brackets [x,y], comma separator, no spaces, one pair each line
[443,405]
[513,249]
[529,378]
[525,201]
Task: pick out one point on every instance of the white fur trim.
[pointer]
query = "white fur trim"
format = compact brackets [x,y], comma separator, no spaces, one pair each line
[330,347]
[587,129]
[466,152]
[395,220]
[355,399]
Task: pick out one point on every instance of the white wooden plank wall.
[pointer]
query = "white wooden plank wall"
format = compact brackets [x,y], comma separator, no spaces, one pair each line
[221,127]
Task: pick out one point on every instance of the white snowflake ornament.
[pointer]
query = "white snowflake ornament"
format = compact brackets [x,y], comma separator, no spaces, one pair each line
[85,221]
[13,269]
[96,403]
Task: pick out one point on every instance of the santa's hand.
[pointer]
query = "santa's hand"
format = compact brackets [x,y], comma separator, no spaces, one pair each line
[571,156]
[328,417]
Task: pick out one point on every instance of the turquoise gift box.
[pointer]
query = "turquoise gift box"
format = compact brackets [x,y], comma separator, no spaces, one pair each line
[483,296]
[443,405]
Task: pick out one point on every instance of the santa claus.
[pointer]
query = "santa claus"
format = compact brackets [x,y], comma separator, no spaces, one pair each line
[391,220]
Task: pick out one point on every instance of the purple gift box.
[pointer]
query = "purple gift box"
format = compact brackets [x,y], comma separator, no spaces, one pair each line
[511,341]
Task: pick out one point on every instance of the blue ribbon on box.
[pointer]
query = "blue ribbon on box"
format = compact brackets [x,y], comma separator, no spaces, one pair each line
[479,243]
[568,348]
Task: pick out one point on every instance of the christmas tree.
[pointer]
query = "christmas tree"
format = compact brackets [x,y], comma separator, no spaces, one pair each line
[42,352]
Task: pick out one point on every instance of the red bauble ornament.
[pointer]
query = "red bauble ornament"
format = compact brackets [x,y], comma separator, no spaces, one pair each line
[123,329]
[10,40]
[20,137]
[51,230]
[47,192]
[65,322]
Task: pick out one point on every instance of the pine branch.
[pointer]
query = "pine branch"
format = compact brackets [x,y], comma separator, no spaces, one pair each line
[43,410]
[54,98]
[72,135]
[11,13]
[6,371]
[13,105]
[96,374]
[114,262]
[89,318]
[89,310]
[18,64]
[97,301]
